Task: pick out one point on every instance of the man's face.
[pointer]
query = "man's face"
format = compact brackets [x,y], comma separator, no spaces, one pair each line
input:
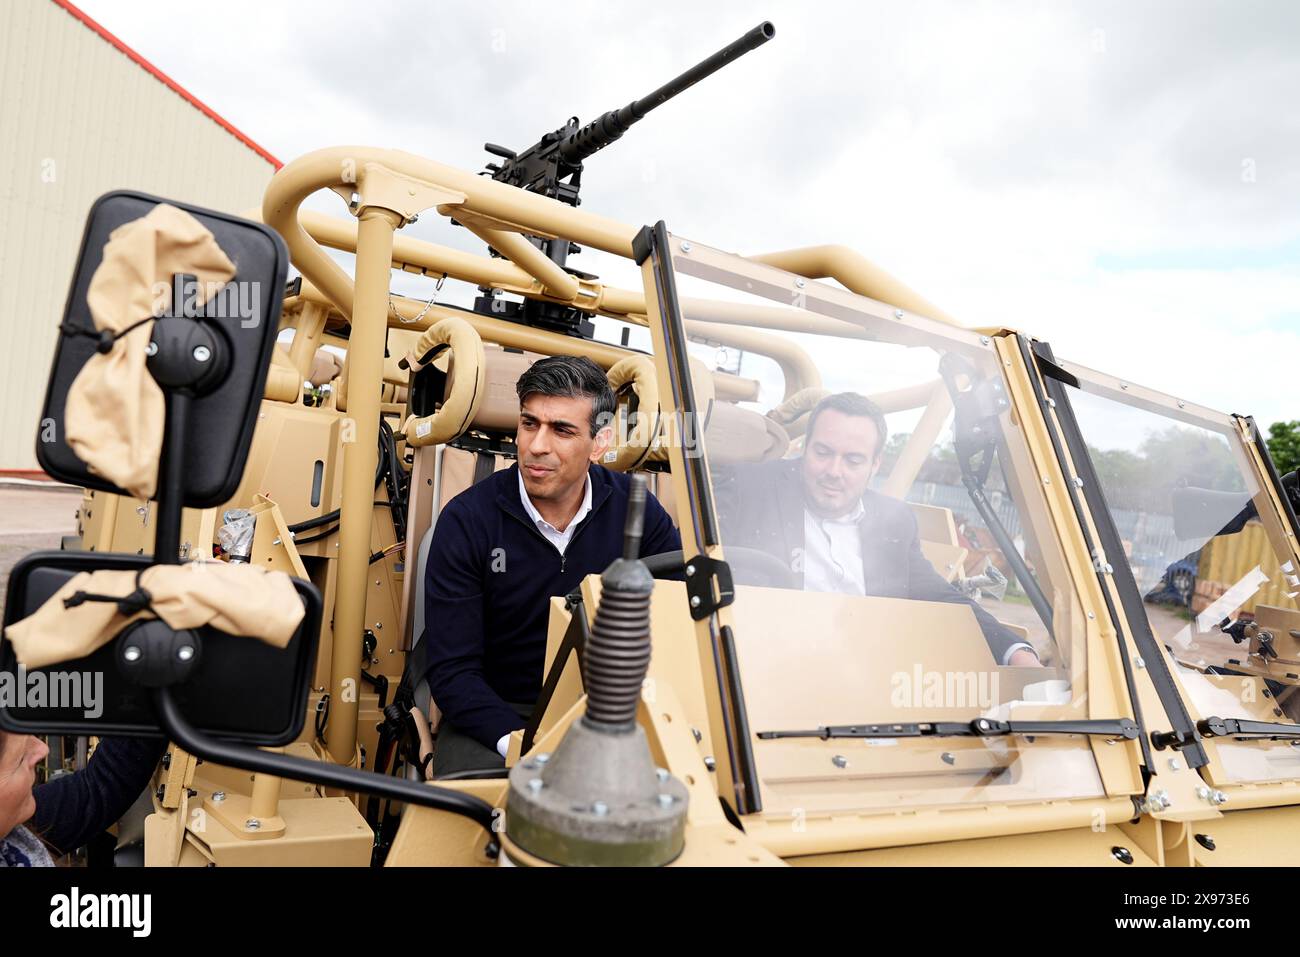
[556,444]
[840,457]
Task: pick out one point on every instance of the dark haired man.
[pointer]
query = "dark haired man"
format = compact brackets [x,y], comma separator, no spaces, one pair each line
[502,548]
[818,517]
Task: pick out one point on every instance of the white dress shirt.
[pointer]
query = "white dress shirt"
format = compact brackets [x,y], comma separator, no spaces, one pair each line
[832,557]
[832,553]
[560,539]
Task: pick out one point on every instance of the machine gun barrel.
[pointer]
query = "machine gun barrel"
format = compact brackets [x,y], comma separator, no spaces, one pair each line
[599,133]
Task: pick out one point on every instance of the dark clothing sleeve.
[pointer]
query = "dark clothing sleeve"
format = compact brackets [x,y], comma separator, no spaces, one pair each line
[73,808]
[454,639]
[926,584]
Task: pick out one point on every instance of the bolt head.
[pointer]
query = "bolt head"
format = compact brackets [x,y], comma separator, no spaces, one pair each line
[218,797]
[1175,764]
[151,349]
[709,763]
[1218,797]
[984,340]
[202,353]
[898,313]
[695,601]
[661,774]
[544,757]
[534,784]
[800,282]
[599,808]
[132,653]
[1203,793]
[1140,661]
[252,824]
[840,761]
[686,247]
[690,570]
[1078,482]
[185,652]
[666,800]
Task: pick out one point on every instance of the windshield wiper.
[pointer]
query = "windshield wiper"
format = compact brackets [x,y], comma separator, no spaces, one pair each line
[1124,728]
[1215,727]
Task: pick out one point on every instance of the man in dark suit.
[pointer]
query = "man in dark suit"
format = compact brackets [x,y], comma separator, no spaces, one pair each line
[815,516]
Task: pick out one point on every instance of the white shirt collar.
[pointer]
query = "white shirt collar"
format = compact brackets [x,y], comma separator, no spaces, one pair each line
[560,539]
[850,518]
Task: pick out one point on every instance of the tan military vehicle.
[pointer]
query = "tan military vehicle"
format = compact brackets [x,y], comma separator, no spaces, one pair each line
[1058,697]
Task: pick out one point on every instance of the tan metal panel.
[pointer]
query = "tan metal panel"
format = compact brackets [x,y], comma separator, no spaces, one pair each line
[79,118]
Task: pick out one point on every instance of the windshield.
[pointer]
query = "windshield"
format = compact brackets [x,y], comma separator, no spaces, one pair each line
[1206,548]
[892,550]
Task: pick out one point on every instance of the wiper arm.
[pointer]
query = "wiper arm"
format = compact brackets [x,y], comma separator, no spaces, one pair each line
[1215,727]
[1124,728]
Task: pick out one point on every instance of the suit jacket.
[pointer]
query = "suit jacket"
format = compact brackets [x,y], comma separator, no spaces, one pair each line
[762,507]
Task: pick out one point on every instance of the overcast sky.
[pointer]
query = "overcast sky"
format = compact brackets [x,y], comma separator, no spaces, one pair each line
[1122,179]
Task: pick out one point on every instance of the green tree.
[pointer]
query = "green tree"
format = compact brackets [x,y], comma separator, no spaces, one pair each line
[1284,445]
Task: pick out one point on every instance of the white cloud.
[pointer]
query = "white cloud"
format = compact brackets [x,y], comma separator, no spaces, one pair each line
[1011,161]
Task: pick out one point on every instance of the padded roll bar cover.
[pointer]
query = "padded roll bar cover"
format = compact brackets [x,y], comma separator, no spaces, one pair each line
[702,380]
[499,410]
[792,414]
[465,393]
[225,417]
[739,435]
[637,374]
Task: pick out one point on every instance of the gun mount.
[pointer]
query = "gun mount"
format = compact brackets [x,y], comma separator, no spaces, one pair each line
[553,167]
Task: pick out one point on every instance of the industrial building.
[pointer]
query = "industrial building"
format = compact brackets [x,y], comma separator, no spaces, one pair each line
[121,124]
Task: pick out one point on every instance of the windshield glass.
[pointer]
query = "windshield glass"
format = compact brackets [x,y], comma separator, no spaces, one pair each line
[1205,547]
[892,550]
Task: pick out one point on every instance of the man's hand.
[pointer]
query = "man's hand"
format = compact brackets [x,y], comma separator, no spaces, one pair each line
[1024,658]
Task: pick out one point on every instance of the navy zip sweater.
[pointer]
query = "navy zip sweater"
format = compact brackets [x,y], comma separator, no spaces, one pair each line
[488,583]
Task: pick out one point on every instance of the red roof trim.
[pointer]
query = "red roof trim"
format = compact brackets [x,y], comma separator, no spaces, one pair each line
[169,82]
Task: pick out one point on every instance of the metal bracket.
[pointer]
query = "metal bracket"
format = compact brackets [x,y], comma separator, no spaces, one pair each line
[377,185]
[709,585]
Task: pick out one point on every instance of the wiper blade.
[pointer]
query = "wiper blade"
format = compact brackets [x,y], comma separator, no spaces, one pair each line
[1215,727]
[1124,728]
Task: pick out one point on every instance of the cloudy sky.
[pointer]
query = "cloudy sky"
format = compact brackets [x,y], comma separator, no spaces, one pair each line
[1122,179]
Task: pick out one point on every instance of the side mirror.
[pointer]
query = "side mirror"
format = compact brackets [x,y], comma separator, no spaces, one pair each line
[211,363]
[240,322]
[1202,513]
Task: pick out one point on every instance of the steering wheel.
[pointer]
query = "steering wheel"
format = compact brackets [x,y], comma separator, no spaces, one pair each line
[749,566]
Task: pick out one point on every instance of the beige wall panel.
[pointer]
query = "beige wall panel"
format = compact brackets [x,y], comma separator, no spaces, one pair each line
[79,118]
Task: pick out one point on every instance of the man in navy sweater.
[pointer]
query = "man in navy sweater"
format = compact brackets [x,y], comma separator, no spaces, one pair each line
[502,548]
